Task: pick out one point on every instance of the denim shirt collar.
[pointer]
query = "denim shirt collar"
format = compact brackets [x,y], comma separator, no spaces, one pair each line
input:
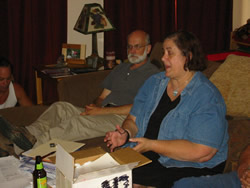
[189,89]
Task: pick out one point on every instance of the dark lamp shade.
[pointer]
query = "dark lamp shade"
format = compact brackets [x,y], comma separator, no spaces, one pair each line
[93,20]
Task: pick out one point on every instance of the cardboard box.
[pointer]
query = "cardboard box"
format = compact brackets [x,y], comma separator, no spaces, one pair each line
[100,169]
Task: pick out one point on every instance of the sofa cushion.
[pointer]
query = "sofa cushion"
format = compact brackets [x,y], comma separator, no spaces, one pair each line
[22,115]
[81,89]
[232,78]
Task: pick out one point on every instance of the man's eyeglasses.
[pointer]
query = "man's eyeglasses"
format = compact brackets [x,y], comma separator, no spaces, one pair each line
[136,47]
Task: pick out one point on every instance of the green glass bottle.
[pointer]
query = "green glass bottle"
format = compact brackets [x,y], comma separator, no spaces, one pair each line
[39,174]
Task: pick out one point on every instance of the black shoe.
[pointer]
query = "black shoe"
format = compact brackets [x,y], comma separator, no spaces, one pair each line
[18,135]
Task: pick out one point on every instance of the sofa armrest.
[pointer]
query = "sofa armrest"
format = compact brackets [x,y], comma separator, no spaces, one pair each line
[81,89]
[22,115]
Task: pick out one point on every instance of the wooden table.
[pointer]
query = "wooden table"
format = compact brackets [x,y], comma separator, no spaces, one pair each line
[41,75]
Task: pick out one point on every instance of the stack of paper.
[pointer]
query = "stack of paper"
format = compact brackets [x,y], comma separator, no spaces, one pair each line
[50,147]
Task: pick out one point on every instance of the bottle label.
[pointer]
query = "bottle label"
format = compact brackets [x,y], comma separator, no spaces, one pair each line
[42,182]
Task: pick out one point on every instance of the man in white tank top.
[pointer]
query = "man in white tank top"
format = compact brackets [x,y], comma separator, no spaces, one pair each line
[11,93]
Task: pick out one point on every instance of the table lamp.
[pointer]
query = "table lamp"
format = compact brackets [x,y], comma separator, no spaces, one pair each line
[91,21]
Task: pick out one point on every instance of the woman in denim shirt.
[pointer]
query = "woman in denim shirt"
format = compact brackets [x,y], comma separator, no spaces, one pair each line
[177,119]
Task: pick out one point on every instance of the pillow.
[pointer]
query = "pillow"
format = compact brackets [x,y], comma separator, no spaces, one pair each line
[232,79]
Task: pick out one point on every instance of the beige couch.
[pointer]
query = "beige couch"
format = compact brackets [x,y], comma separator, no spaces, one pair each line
[84,88]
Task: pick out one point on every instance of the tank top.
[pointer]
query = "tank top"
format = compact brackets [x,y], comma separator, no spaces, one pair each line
[11,101]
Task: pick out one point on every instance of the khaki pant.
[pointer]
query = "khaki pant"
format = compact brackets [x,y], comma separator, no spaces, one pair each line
[62,120]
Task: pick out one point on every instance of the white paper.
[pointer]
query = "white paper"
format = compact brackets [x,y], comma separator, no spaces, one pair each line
[44,149]
[103,162]
[11,176]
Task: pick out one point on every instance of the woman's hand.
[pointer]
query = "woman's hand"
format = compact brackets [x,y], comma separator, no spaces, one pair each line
[116,138]
[245,179]
[143,144]
[244,175]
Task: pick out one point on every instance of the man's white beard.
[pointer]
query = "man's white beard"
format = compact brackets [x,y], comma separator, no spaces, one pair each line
[134,59]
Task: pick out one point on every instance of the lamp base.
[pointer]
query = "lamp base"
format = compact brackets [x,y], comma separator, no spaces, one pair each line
[94,61]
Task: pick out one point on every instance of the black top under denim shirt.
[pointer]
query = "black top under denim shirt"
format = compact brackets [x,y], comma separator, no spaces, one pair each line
[164,106]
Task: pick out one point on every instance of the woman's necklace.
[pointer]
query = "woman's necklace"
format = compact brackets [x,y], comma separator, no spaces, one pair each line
[176,91]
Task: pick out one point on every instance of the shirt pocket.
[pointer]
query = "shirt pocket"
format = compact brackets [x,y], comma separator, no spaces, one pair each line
[175,126]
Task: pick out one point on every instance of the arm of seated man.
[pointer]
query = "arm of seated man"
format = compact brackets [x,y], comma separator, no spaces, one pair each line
[98,100]
[96,109]
[21,96]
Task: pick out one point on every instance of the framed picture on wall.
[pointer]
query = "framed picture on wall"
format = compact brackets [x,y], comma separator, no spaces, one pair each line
[74,53]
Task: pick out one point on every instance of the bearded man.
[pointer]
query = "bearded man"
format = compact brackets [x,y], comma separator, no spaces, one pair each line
[64,121]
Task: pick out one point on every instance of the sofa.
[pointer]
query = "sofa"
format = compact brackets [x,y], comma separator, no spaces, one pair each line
[82,89]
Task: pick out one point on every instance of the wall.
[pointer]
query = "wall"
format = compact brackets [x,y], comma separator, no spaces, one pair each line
[241,12]
[74,37]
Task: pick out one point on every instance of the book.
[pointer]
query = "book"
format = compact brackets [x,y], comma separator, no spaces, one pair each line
[58,72]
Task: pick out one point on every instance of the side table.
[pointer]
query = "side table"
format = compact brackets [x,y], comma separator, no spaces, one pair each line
[54,74]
